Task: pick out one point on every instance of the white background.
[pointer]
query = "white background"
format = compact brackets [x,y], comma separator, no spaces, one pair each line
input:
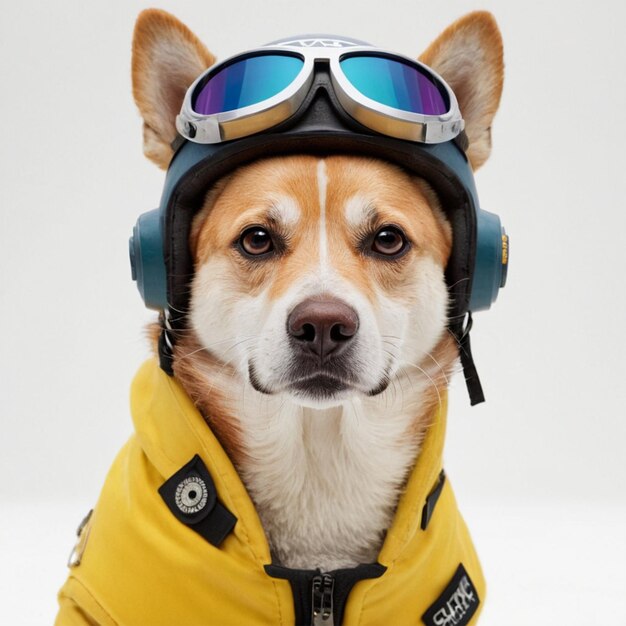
[539,469]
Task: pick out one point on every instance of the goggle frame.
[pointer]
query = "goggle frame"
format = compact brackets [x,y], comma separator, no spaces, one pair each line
[381,118]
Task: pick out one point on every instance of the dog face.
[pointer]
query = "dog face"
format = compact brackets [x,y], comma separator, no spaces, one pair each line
[319,278]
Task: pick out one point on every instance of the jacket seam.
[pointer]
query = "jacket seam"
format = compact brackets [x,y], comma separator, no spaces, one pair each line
[93,598]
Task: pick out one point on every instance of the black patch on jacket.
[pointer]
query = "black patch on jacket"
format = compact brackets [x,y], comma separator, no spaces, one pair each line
[456,605]
[191,496]
[431,500]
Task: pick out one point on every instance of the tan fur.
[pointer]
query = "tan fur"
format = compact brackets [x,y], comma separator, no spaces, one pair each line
[167,58]
[469,56]
[440,366]
[192,363]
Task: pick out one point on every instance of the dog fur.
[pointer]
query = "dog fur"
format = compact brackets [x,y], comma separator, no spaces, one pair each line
[324,469]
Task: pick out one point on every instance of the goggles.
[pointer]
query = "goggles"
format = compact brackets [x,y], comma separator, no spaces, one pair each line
[256,90]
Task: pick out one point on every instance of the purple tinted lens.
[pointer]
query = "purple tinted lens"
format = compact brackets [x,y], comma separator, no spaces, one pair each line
[246,82]
[395,83]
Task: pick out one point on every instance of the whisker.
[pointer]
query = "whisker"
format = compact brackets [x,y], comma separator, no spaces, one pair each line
[224,364]
[434,384]
[443,372]
[216,343]
[458,282]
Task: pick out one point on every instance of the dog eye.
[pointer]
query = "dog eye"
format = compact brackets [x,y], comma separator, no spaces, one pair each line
[256,241]
[389,241]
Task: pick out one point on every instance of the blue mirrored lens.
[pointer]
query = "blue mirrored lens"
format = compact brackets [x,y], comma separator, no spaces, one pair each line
[246,82]
[395,83]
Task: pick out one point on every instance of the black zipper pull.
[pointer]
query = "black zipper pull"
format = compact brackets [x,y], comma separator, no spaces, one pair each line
[322,593]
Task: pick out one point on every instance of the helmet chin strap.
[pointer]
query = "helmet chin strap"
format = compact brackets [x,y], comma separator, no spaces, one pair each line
[474,388]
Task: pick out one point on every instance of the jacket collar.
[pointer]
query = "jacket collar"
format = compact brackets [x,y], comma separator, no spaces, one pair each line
[171,431]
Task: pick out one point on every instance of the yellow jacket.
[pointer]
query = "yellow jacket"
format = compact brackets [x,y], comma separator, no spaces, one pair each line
[137,564]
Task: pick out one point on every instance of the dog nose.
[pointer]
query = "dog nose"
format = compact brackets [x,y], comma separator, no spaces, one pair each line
[323,325]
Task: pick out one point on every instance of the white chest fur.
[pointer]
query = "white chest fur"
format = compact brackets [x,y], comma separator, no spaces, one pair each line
[326,482]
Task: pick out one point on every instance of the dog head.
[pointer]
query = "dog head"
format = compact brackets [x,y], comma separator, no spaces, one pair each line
[317,279]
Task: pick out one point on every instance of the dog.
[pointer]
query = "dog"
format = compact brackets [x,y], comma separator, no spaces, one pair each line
[316,351]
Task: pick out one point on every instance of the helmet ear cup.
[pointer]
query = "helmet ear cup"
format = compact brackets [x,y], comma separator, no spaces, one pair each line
[147,261]
[491,263]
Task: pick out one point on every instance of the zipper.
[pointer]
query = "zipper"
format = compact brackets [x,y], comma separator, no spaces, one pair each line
[322,600]
[319,599]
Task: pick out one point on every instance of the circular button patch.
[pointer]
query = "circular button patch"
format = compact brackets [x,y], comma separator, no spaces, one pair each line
[191,495]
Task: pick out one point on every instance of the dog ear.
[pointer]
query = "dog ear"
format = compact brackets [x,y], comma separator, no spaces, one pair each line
[468,54]
[167,58]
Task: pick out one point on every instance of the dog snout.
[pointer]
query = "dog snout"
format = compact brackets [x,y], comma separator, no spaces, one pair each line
[323,325]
